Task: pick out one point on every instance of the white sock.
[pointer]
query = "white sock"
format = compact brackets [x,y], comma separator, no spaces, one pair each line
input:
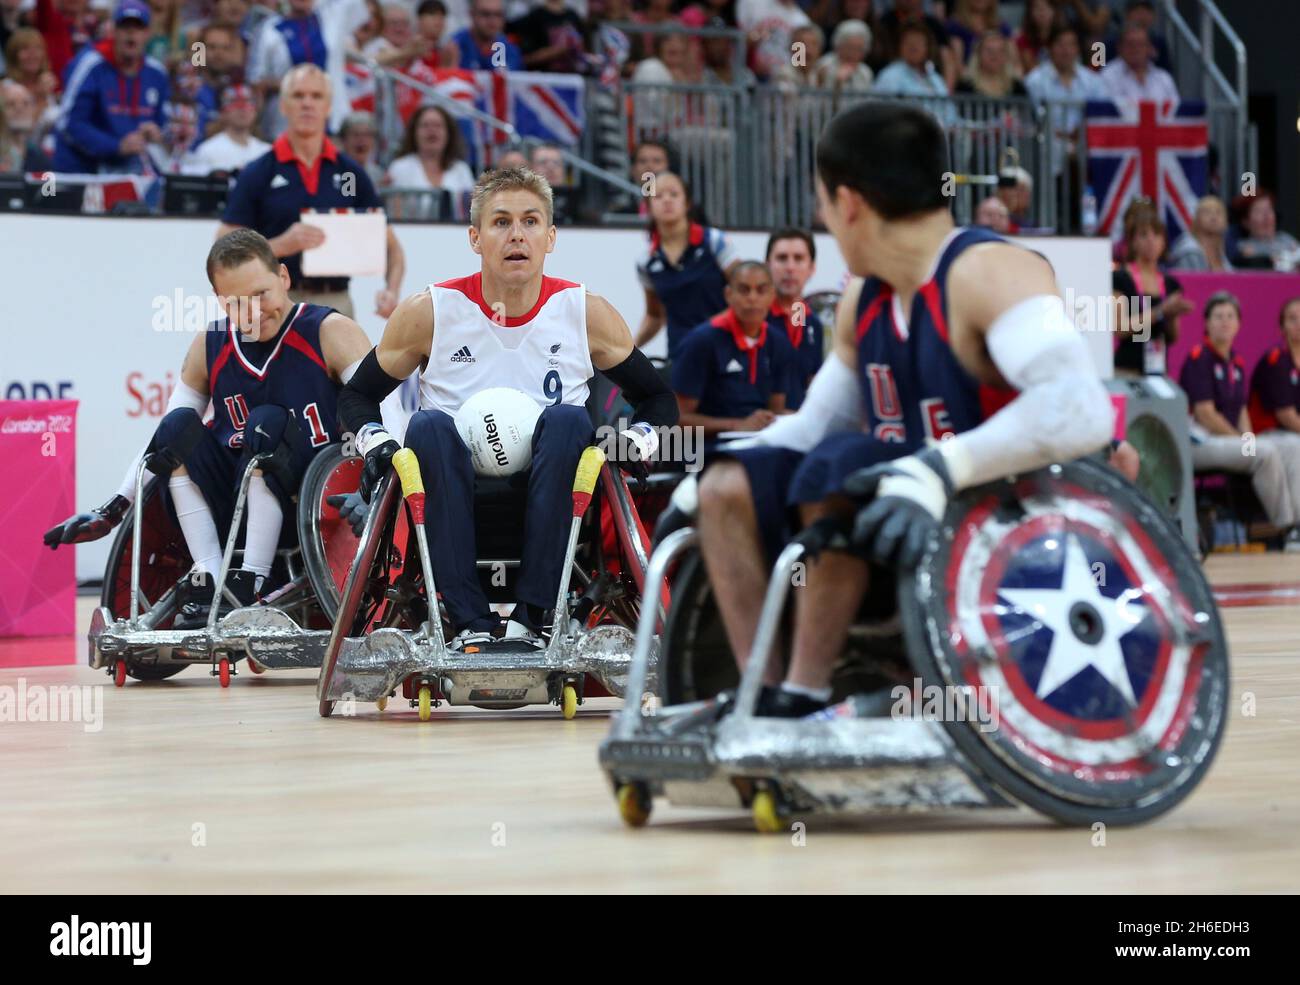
[816,693]
[196,522]
[265,517]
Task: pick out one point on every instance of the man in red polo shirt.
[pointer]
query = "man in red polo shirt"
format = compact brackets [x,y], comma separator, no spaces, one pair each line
[304,170]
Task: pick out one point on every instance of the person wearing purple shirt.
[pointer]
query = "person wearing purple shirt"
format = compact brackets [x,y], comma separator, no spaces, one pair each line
[1214,377]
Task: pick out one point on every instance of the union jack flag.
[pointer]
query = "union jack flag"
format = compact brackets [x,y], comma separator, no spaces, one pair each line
[1156,150]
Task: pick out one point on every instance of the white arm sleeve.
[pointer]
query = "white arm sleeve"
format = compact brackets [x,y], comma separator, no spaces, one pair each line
[183,395]
[1062,412]
[833,403]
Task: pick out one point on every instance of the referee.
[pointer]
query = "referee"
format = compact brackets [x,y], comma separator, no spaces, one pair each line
[304,170]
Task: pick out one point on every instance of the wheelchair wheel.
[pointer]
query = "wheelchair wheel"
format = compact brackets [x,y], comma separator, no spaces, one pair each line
[695,659]
[328,543]
[1072,607]
[166,559]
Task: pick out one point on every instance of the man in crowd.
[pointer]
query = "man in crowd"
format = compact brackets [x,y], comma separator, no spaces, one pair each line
[792,258]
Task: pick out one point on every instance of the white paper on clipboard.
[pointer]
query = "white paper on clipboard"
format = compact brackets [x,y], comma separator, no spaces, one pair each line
[355,244]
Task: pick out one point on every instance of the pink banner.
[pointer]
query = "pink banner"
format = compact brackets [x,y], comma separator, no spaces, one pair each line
[38,587]
[1261,295]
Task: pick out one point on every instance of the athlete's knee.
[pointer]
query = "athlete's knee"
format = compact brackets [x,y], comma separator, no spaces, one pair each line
[432,432]
[565,423]
[724,486]
[174,439]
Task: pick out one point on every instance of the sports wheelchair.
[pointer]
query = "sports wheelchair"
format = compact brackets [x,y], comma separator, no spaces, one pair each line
[1062,608]
[386,638]
[131,633]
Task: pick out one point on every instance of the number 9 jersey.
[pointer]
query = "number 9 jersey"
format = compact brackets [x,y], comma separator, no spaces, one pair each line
[544,353]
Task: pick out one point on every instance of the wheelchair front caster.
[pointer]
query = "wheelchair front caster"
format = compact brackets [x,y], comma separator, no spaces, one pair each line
[634,804]
[382,703]
[569,702]
[119,674]
[426,702]
[254,666]
[766,812]
[223,672]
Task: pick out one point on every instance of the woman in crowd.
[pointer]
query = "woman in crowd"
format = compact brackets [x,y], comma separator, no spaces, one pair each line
[1202,247]
[29,66]
[844,67]
[970,21]
[685,269]
[992,70]
[913,73]
[429,159]
[1265,245]
[1214,377]
[1150,301]
[1041,18]
[1275,384]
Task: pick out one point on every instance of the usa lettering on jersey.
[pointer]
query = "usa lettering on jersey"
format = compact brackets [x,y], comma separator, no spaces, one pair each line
[886,408]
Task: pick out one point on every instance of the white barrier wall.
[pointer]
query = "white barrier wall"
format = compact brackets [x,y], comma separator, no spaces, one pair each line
[83,297]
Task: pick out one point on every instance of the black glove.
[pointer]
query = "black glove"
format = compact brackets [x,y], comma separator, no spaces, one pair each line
[378,459]
[85,527]
[352,508]
[907,498]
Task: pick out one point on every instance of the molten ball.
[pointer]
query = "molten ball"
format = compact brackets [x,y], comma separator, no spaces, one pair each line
[497,427]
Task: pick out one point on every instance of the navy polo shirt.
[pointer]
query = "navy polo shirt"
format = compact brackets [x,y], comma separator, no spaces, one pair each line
[806,340]
[273,191]
[690,290]
[1208,376]
[730,379]
[1274,384]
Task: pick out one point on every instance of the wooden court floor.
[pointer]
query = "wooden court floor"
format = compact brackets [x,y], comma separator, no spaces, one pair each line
[187,788]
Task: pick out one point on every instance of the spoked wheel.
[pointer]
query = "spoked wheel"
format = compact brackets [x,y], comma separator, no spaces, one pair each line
[695,660]
[165,560]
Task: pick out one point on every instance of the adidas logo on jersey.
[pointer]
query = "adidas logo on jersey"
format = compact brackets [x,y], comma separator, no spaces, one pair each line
[734,367]
[462,355]
[279,181]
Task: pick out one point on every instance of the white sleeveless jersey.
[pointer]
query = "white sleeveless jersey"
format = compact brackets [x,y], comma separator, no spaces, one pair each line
[549,359]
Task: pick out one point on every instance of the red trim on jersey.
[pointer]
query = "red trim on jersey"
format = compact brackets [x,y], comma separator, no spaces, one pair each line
[239,353]
[873,309]
[295,341]
[930,291]
[310,175]
[694,236]
[472,288]
[793,331]
[742,340]
[217,364]
[1274,355]
[994,398]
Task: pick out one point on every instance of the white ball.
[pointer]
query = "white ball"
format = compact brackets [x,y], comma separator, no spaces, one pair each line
[497,427]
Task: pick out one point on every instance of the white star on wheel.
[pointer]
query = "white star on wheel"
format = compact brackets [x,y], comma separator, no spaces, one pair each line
[1069,655]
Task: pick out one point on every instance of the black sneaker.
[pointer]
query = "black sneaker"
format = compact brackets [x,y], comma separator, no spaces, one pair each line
[243,586]
[773,702]
[194,600]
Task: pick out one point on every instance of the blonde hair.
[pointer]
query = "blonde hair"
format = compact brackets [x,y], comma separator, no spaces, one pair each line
[508,180]
[305,70]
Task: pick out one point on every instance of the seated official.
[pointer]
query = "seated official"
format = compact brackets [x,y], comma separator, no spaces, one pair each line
[1275,384]
[792,258]
[1214,377]
[732,373]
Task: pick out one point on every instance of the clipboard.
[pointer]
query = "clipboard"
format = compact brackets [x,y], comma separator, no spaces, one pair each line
[356,244]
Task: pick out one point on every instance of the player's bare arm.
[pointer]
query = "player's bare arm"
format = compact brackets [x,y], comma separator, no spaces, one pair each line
[344,345]
[628,368]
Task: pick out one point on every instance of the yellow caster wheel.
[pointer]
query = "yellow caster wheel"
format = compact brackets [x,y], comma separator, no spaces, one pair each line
[767,818]
[569,702]
[633,804]
[426,703]
[382,703]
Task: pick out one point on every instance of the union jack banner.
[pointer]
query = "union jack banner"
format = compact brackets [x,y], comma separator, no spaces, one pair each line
[543,105]
[1156,150]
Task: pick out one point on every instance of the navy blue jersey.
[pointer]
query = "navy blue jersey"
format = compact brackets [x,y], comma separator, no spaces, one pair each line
[289,372]
[913,387]
[806,340]
[689,290]
[730,376]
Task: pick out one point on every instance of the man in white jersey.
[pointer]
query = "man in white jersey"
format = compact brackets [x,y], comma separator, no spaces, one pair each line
[507,326]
